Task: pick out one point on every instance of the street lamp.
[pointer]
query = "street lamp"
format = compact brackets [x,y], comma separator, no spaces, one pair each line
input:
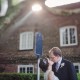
[36,7]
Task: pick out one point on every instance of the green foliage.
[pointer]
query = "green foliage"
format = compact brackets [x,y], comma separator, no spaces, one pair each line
[22,76]
[15,2]
[78,76]
[19,76]
[12,10]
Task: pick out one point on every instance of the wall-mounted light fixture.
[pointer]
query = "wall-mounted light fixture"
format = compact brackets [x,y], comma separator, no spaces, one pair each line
[36,7]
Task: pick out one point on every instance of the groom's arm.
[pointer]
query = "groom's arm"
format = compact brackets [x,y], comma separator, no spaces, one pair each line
[72,72]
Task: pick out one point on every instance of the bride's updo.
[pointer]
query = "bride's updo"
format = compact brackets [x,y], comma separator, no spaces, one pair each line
[44,64]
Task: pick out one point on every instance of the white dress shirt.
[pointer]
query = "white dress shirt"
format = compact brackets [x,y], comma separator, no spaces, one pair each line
[58,63]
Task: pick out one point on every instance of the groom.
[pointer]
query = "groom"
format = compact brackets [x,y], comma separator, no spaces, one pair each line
[62,68]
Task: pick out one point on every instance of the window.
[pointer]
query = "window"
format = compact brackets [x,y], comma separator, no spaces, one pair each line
[26,41]
[77,67]
[25,69]
[68,36]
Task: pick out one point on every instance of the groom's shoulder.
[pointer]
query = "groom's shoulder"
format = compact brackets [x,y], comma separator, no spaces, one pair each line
[67,61]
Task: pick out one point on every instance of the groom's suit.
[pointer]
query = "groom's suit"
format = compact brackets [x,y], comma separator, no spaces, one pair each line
[66,71]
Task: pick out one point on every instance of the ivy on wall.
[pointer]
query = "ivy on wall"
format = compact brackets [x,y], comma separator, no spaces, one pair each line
[11,12]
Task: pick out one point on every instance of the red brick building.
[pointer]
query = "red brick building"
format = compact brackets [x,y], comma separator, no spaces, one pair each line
[58,29]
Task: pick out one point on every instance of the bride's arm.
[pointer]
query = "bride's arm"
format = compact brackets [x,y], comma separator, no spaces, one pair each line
[50,64]
[51,76]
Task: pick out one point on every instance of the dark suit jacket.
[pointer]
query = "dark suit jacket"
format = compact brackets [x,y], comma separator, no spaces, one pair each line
[66,71]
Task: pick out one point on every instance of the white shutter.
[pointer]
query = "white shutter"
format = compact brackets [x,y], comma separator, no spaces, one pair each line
[30,40]
[26,40]
[62,36]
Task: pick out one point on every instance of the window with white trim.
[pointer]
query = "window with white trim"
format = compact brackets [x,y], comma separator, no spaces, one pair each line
[68,36]
[25,69]
[26,40]
[77,67]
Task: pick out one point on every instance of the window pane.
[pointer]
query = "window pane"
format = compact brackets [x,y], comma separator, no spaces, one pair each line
[77,69]
[29,69]
[72,35]
[66,31]
[22,70]
[65,36]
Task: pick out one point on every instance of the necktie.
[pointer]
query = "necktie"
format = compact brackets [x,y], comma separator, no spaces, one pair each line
[57,66]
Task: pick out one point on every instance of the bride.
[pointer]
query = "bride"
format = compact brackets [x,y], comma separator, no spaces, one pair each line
[46,66]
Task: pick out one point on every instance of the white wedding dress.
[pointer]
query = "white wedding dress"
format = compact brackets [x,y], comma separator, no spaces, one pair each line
[52,76]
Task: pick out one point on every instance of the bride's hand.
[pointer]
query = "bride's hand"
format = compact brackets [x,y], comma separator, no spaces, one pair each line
[50,62]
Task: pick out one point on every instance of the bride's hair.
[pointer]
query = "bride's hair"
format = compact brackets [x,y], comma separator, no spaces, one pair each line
[43,64]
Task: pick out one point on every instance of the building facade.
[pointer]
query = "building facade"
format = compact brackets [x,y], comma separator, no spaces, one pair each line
[17,40]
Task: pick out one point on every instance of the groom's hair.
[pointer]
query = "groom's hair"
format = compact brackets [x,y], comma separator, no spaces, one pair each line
[56,51]
[44,64]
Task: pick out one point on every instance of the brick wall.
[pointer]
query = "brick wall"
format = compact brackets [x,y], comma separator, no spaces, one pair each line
[46,23]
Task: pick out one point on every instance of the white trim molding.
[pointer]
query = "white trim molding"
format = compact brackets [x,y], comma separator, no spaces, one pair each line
[68,36]
[26,68]
[78,67]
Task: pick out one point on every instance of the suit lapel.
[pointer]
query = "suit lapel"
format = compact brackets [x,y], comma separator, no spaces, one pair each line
[60,67]
[61,64]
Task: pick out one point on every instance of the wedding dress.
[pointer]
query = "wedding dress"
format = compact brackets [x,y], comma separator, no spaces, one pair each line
[52,76]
